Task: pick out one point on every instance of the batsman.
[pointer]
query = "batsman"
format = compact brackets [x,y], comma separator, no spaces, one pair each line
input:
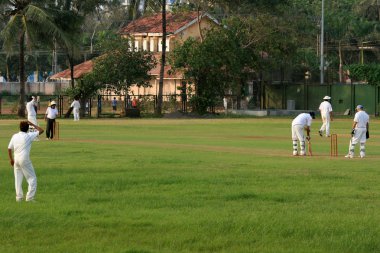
[301,124]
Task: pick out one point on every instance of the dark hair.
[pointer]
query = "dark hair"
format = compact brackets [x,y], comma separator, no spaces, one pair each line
[312,114]
[24,126]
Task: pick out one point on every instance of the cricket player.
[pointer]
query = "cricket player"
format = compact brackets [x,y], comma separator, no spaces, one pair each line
[327,115]
[299,124]
[31,109]
[360,132]
[20,144]
[76,106]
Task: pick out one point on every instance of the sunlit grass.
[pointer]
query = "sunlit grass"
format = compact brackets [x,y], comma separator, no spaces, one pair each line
[215,185]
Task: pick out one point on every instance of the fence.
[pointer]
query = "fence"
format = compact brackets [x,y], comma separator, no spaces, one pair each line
[309,96]
[46,88]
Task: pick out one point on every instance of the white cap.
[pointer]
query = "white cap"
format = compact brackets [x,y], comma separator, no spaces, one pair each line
[327,97]
[53,103]
[359,107]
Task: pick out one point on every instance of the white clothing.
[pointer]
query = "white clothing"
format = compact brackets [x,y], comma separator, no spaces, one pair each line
[51,113]
[303,119]
[76,106]
[361,118]
[298,125]
[225,103]
[325,108]
[30,108]
[21,143]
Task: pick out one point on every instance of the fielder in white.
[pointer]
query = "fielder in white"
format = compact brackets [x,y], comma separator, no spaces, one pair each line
[360,132]
[299,124]
[31,109]
[21,144]
[327,115]
[76,106]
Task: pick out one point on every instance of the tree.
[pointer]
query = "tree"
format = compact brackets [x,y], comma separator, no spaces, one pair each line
[122,67]
[27,22]
[163,61]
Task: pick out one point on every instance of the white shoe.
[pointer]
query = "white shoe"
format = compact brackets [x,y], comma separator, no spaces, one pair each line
[302,154]
[295,153]
[349,156]
[362,155]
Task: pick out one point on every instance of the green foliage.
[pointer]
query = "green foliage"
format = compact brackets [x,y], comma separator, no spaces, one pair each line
[368,73]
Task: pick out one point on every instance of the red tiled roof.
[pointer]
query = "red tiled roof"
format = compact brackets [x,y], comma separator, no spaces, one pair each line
[79,71]
[86,67]
[153,24]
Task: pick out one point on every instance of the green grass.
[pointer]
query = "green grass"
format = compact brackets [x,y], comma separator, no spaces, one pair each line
[216,185]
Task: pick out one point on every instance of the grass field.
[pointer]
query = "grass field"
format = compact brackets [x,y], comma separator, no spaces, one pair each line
[215,185]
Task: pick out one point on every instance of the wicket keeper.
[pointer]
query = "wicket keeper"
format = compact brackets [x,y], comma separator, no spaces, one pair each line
[359,133]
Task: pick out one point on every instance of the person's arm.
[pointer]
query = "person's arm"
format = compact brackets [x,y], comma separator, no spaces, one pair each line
[307,128]
[39,129]
[10,157]
[367,126]
[331,115]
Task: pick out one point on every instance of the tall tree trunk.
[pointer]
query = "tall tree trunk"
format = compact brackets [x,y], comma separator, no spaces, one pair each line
[340,63]
[21,104]
[163,60]
[71,63]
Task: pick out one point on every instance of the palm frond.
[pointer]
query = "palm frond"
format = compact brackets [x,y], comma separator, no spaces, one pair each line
[10,33]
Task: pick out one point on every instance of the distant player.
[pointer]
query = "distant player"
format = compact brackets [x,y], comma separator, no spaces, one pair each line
[327,115]
[31,109]
[301,123]
[20,144]
[76,106]
[360,132]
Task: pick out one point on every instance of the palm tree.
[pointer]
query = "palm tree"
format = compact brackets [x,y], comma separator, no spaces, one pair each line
[27,22]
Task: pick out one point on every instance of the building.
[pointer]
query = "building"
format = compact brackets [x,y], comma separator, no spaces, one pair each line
[146,34]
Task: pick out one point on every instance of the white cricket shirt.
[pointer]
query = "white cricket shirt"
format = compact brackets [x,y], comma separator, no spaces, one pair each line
[75,104]
[362,118]
[30,108]
[325,107]
[303,119]
[21,143]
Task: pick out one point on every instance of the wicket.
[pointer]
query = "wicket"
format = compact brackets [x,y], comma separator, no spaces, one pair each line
[56,131]
[334,145]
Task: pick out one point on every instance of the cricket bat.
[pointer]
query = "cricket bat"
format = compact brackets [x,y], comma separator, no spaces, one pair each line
[309,148]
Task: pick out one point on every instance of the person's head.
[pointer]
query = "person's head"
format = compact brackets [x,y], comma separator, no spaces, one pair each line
[326,98]
[114,98]
[24,126]
[52,104]
[359,108]
[312,114]
[31,98]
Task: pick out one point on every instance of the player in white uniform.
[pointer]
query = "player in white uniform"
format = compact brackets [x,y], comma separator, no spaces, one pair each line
[31,109]
[76,106]
[326,113]
[360,132]
[299,124]
[20,144]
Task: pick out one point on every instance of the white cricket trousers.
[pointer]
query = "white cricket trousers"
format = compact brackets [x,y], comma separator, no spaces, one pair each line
[33,119]
[25,169]
[298,135]
[325,123]
[76,114]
